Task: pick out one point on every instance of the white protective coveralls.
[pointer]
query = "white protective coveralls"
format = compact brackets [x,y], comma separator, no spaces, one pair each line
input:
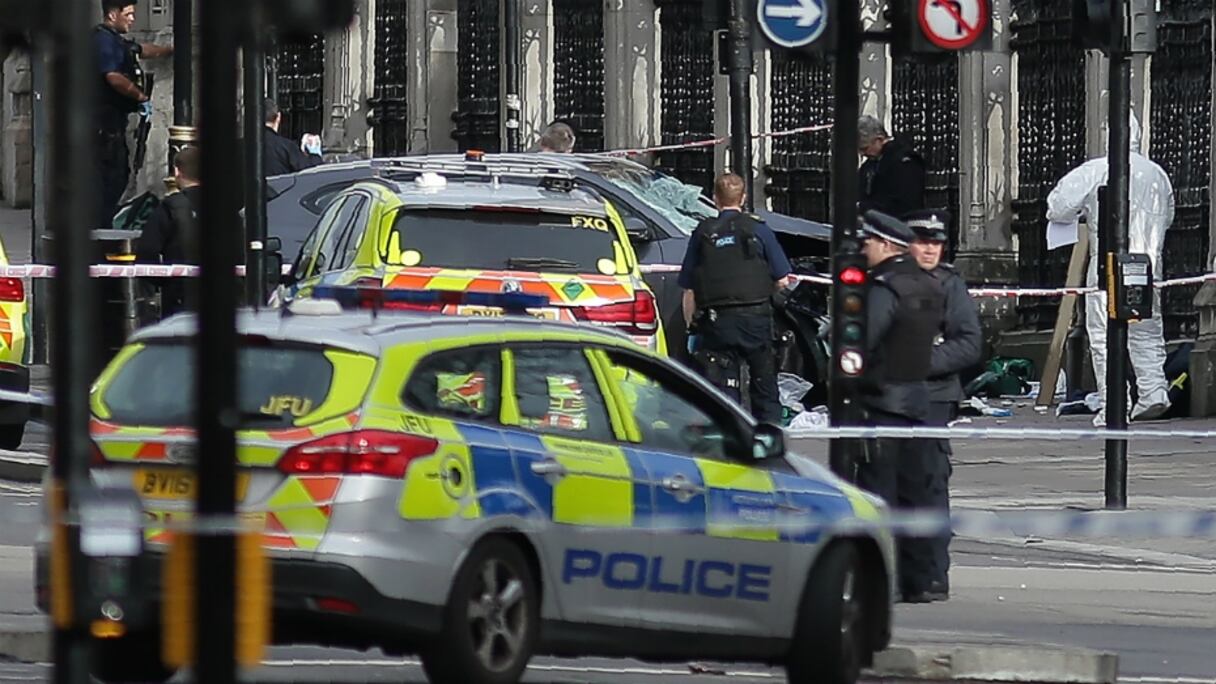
[1150,213]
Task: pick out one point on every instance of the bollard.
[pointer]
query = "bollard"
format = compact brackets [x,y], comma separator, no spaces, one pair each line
[180,137]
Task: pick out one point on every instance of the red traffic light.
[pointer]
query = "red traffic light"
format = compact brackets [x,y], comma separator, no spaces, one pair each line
[853,276]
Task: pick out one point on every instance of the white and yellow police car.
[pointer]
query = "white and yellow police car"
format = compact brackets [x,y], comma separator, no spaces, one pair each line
[479,491]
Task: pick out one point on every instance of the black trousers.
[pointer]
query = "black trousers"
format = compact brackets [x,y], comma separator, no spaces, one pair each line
[938,470]
[113,172]
[902,472]
[745,335]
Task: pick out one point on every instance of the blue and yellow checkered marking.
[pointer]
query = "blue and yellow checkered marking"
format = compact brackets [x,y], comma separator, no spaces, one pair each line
[621,487]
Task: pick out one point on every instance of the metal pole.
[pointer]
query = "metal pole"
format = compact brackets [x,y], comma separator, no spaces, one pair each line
[511,57]
[183,63]
[1119,158]
[72,166]
[182,132]
[255,164]
[217,418]
[42,199]
[845,191]
[740,65]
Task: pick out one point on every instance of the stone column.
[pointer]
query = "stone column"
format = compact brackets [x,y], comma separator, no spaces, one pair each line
[432,92]
[875,65]
[985,242]
[1097,77]
[536,70]
[632,112]
[1212,195]
[349,61]
[16,126]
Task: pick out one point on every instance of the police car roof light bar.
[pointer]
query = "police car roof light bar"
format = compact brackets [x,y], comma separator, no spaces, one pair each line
[377,298]
[483,168]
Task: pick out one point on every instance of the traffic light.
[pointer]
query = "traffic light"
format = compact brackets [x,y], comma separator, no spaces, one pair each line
[849,317]
[1092,25]
[928,27]
[308,17]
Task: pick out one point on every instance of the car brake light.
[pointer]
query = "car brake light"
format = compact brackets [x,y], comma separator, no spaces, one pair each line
[12,290]
[638,317]
[336,605]
[362,452]
[96,458]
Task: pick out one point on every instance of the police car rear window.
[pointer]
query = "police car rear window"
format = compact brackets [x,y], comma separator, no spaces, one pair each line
[278,386]
[494,239]
[463,383]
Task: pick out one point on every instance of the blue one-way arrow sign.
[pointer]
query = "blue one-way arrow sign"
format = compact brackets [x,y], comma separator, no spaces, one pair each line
[792,23]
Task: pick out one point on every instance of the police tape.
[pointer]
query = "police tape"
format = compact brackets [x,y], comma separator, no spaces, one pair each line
[793,526]
[712,142]
[1015,434]
[40,271]
[983,291]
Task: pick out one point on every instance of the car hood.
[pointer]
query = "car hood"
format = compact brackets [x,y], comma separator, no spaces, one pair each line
[792,225]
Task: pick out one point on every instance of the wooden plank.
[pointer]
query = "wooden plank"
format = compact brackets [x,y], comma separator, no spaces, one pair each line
[1055,353]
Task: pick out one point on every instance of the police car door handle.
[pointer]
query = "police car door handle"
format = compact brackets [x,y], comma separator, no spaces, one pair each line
[680,484]
[549,468]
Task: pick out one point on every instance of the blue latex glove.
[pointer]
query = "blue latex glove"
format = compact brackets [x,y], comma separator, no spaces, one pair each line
[694,342]
[145,109]
[312,144]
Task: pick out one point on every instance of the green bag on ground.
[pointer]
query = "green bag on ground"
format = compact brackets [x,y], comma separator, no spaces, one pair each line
[1003,376]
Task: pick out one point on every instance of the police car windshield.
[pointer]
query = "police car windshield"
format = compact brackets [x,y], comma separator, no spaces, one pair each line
[682,204]
[278,386]
[497,239]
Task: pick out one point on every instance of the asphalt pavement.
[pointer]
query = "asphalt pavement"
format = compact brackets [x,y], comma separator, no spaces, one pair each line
[1150,601]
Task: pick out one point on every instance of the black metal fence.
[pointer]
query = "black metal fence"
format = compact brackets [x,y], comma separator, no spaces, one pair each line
[300,80]
[1051,140]
[389,110]
[478,115]
[925,114]
[686,91]
[578,70]
[800,169]
[1181,134]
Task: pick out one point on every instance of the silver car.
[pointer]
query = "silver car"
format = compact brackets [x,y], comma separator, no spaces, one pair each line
[478,491]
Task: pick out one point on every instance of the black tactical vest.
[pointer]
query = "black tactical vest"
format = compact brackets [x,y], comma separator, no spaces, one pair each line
[115,107]
[903,353]
[733,269]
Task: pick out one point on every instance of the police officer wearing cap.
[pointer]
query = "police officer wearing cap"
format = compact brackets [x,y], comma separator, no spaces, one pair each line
[121,92]
[731,269]
[905,307]
[958,347]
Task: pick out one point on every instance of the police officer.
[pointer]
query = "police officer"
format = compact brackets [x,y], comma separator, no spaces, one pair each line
[285,156]
[121,92]
[958,347]
[731,269]
[893,175]
[171,234]
[905,305]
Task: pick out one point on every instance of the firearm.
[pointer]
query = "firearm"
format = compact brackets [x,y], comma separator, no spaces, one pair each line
[145,126]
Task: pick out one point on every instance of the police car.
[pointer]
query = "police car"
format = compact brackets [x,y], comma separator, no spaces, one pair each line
[481,490]
[461,226]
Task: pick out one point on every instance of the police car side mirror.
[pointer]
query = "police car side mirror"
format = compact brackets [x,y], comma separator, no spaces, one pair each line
[637,230]
[768,441]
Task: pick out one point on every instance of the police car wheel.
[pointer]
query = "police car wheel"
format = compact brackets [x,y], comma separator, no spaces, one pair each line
[491,619]
[830,635]
[132,658]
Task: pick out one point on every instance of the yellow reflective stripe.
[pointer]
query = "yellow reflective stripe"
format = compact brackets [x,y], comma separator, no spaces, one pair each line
[740,478]
[623,426]
[299,514]
[451,280]
[627,260]
[441,486]
[96,404]
[352,374]
[597,490]
[862,507]
[509,412]
[120,451]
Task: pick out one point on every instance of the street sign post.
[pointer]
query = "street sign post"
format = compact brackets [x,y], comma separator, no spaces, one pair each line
[792,23]
[953,24]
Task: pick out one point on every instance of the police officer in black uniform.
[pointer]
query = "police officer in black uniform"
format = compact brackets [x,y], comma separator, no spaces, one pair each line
[121,91]
[958,347]
[731,269]
[905,309]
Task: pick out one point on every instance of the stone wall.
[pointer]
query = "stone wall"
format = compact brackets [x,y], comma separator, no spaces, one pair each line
[16,119]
